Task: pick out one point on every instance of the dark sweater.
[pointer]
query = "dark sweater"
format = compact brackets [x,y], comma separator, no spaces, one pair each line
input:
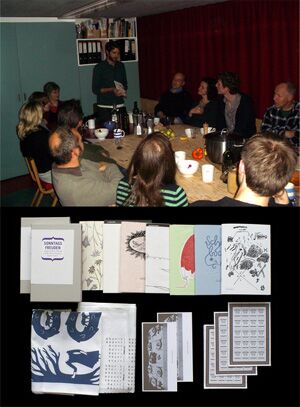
[244,119]
[226,201]
[35,145]
[175,104]
[208,116]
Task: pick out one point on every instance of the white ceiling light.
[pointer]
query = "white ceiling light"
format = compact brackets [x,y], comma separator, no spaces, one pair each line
[90,8]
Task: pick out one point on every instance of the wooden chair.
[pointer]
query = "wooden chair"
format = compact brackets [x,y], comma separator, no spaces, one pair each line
[43,188]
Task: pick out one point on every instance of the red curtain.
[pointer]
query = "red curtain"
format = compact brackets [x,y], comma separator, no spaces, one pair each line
[259,39]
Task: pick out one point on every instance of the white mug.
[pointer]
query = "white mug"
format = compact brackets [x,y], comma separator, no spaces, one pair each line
[119,133]
[90,124]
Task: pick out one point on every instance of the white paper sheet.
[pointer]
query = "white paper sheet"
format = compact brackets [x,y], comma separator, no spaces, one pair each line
[111,257]
[246,259]
[157,259]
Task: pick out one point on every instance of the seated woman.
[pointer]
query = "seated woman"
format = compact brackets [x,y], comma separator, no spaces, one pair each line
[34,138]
[41,98]
[151,176]
[51,89]
[207,108]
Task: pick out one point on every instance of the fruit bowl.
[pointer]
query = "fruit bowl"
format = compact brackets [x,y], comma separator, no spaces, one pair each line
[187,167]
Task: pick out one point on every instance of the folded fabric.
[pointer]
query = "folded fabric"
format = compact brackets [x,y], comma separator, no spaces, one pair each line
[65,352]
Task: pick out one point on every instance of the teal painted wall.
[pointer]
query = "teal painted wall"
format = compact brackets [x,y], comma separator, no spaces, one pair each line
[31,55]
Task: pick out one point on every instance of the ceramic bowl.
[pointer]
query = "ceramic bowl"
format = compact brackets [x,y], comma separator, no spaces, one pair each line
[101,133]
[210,130]
[188,167]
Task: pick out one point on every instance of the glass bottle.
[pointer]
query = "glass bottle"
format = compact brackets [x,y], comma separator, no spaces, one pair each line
[135,113]
[115,114]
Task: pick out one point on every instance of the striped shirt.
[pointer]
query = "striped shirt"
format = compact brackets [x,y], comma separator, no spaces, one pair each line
[172,194]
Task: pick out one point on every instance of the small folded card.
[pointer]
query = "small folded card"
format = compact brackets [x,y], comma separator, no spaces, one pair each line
[56,263]
[25,249]
[184,334]
[65,352]
[159,356]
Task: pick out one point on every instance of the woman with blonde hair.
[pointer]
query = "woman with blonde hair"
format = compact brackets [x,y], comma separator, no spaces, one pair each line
[34,138]
[151,176]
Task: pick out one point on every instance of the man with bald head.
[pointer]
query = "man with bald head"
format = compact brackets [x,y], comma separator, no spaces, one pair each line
[176,102]
[80,182]
[283,117]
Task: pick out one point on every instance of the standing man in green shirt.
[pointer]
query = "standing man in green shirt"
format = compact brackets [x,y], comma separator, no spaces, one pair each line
[109,83]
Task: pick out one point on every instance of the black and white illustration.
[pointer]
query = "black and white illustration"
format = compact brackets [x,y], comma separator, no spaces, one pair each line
[159,356]
[184,334]
[246,259]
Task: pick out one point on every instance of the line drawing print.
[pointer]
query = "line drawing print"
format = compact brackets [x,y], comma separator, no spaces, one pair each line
[247,257]
[213,257]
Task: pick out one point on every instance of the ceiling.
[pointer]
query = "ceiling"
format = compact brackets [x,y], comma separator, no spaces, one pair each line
[120,8]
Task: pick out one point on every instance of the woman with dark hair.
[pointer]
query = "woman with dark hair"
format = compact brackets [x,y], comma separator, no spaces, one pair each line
[207,108]
[52,90]
[151,176]
[34,138]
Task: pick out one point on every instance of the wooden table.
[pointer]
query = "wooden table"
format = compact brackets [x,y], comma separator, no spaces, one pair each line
[194,187]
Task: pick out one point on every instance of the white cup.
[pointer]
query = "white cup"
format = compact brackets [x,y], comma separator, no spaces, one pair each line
[156,120]
[207,173]
[190,132]
[290,190]
[179,156]
[91,124]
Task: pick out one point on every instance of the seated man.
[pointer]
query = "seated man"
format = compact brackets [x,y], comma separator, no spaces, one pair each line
[70,116]
[236,110]
[283,117]
[267,165]
[80,183]
[176,102]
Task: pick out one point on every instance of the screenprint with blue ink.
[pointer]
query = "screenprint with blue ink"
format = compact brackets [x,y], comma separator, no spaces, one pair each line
[246,261]
[208,252]
[65,352]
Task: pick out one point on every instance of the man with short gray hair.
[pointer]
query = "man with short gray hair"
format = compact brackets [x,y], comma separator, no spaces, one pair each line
[283,117]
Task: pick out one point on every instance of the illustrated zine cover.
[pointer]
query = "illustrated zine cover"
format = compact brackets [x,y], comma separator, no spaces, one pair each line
[65,352]
[56,263]
[157,259]
[246,259]
[92,254]
[132,257]
[111,256]
[182,260]
[208,250]
[25,247]
[159,357]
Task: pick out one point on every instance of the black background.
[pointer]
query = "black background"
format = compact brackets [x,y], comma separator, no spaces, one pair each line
[277,385]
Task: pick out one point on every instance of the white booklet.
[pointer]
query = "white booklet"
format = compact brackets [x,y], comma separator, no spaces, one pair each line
[111,256]
[56,263]
[92,254]
[118,343]
[157,259]
[246,259]
[65,352]
[184,334]
[159,356]
[25,247]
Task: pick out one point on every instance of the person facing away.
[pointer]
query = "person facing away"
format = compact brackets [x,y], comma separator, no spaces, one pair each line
[41,98]
[207,109]
[283,117]
[52,90]
[266,166]
[105,75]
[80,183]
[34,138]
[176,102]
[236,110]
[151,176]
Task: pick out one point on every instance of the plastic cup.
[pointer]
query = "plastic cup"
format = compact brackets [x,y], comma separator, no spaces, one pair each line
[156,120]
[190,132]
[290,190]
[207,173]
[179,156]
